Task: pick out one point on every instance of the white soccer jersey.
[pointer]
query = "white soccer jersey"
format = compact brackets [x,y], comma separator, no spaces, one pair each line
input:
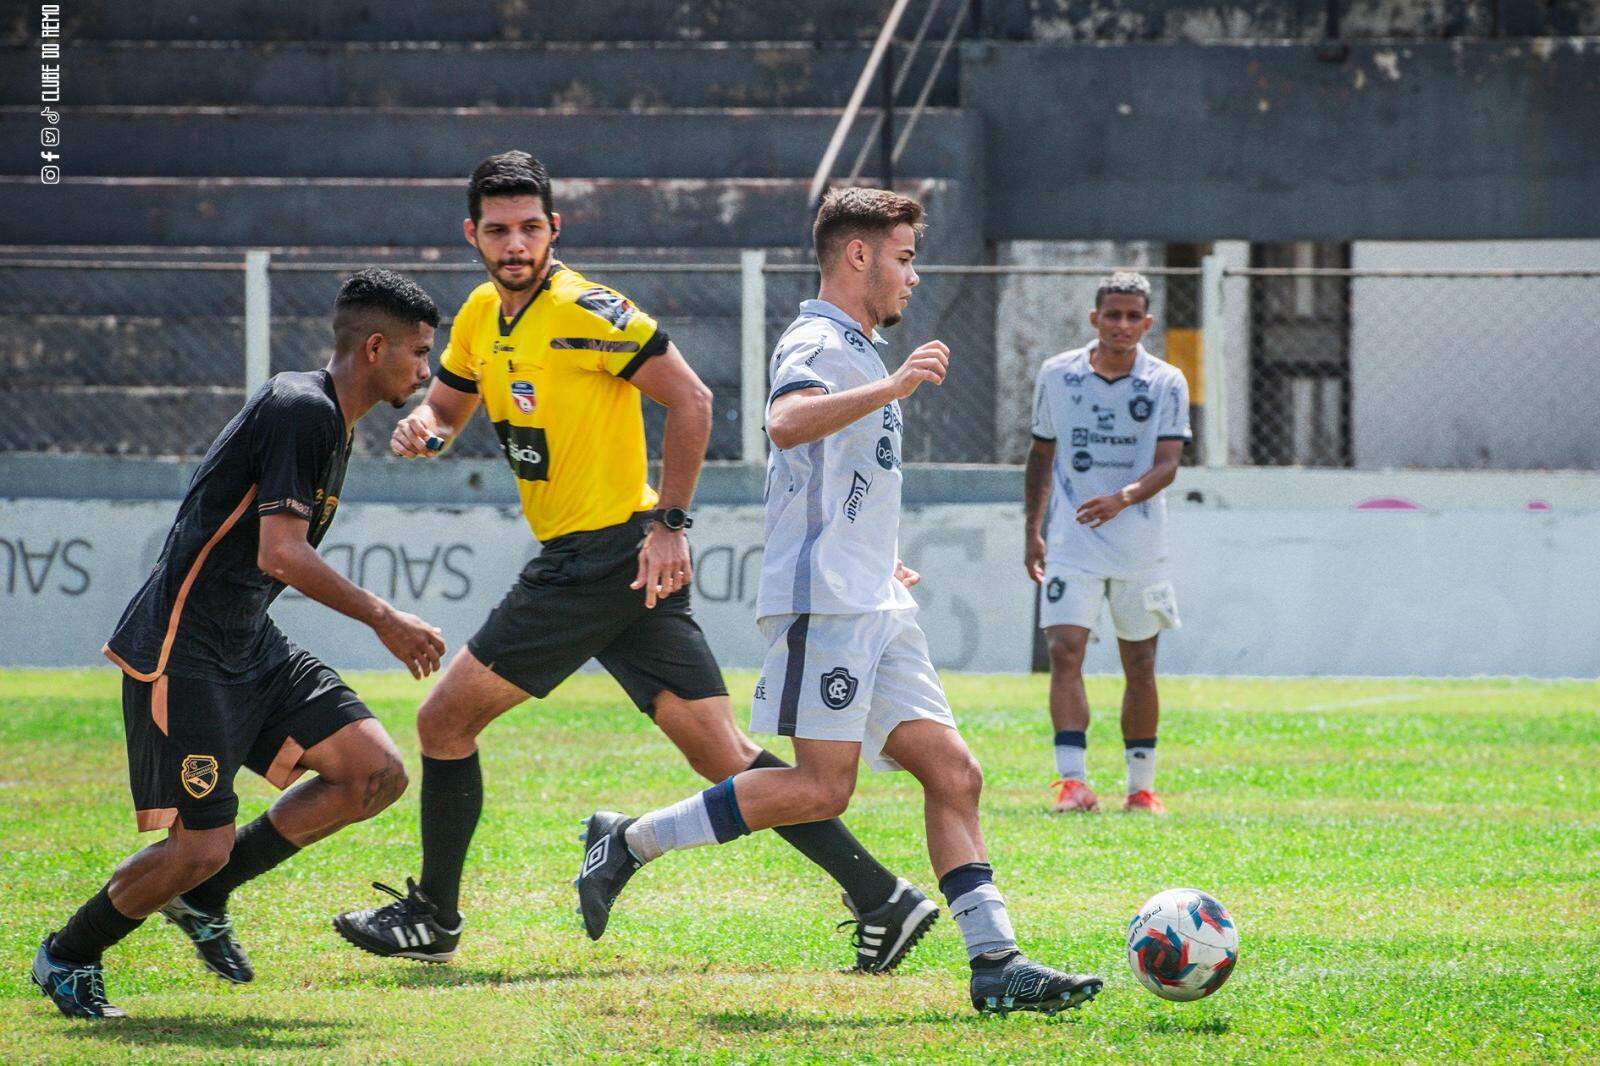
[1106,433]
[833,505]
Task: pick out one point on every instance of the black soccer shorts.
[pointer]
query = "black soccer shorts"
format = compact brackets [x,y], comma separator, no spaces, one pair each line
[187,738]
[572,603]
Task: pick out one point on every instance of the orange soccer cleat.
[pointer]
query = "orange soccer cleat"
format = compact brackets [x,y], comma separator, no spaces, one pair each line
[1144,800]
[1074,795]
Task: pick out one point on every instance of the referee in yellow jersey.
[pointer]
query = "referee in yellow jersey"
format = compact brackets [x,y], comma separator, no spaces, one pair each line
[558,364]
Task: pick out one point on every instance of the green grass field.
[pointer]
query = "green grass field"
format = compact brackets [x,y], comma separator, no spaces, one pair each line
[1414,868]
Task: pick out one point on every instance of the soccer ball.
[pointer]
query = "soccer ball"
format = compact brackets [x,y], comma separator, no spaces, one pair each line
[1182,944]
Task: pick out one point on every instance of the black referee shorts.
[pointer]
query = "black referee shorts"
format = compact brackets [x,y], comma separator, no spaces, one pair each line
[187,737]
[572,603]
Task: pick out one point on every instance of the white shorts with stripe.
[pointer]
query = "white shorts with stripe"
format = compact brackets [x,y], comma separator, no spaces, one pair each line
[850,677]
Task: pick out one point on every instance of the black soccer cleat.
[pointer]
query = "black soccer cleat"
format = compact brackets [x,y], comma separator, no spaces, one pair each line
[78,989]
[607,865]
[884,937]
[213,940]
[408,928]
[1025,985]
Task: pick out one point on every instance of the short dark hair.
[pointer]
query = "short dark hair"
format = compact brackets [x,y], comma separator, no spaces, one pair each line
[511,173]
[849,213]
[374,297]
[1124,283]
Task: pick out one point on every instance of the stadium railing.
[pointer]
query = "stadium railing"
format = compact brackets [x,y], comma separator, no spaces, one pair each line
[147,354]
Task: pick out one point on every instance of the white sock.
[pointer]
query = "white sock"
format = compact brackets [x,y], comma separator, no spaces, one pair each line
[1070,751]
[1141,758]
[985,926]
[685,824]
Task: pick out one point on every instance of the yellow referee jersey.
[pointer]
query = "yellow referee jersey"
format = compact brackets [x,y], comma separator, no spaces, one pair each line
[554,381]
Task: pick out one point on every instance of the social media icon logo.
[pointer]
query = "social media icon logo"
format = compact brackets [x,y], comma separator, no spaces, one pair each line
[50,115]
[50,137]
[50,175]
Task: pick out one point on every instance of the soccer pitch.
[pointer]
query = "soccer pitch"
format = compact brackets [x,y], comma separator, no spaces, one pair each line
[1414,867]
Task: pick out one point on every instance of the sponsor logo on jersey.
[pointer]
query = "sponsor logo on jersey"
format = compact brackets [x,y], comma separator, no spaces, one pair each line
[611,306]
[1082,461]
[891,417]
[1106,418]
[1111,438]
[199,775]
[838,688]
[1080,438]
[886,456]
[525,449]
[761,688]
[1055,589]
[1072,380]
[855,340]
[1141,384]
[858,493]
[524,397]
[1140,407]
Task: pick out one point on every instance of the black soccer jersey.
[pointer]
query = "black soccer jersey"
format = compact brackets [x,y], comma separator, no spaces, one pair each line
[202,612]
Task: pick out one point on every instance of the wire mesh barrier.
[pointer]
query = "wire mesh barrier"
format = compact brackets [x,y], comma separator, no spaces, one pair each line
[1316,365]
[1413,369]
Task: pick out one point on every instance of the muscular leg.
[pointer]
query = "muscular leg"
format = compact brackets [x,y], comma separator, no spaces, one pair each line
[952,782]
[467,698]
[139,887]
[1141,711]
[717,749]
[1141,706]
[938,757]
[1069,703]
[358,773]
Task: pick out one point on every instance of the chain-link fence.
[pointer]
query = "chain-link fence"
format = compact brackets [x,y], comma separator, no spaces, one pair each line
[1374,369]
[1318,364]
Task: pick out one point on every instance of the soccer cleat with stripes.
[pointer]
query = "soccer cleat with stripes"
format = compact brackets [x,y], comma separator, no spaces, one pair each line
[885,936]
[408,928]
[607,865]
[213,940]
[1022,984]
[78,989]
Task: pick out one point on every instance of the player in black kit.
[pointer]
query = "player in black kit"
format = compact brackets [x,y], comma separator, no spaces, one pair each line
[211,684]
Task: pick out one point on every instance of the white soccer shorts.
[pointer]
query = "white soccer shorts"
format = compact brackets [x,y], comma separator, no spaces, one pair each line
[1140,608]
[847,677]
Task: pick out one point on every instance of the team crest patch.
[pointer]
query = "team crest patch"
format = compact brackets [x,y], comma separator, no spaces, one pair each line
[1140,407]
[838,688]
[199,775]
[1055,589]
[524,397]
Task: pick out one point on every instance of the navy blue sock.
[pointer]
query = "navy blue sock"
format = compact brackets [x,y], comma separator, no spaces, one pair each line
[1072,738]
[722,807]
[964,879]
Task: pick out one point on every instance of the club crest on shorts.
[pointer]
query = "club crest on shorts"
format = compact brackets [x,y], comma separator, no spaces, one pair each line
[199,775]
[1055,589]
[838,688]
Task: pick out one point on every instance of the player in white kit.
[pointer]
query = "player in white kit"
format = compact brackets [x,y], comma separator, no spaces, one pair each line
[847,672]
[1109,424]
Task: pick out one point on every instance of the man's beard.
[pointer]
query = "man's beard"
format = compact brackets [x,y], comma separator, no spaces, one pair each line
[535,274]
[890,319]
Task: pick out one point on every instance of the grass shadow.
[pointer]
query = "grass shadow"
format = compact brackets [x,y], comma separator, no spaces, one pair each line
[234,1032]
[1211,1025]
[757,1021]
[452,976]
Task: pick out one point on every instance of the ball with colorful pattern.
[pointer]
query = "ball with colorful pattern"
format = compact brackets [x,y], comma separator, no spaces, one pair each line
[1182,945]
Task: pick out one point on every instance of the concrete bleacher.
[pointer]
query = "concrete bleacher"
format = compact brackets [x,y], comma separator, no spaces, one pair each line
[343,131]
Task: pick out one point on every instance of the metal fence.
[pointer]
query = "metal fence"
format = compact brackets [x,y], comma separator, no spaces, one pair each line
[1314,365]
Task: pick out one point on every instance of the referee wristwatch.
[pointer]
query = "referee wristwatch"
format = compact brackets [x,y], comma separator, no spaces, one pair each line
[674,518]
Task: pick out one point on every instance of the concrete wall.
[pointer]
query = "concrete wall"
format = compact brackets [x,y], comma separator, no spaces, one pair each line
[1278,572]
[1468,373]
[1267,141]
